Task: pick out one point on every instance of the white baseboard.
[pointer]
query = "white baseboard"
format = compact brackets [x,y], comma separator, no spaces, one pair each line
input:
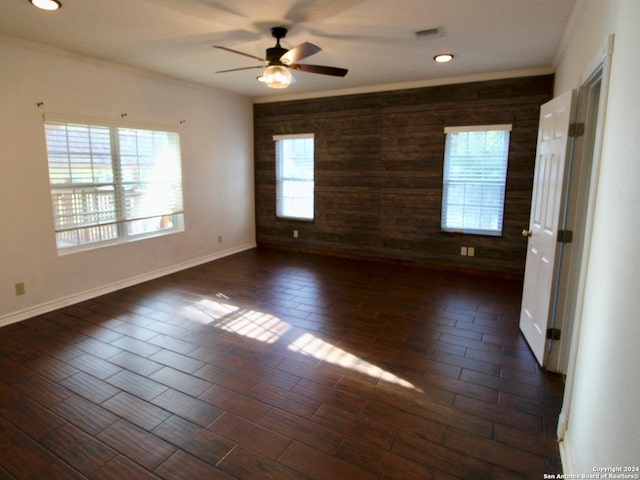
[566,455]
[46,307]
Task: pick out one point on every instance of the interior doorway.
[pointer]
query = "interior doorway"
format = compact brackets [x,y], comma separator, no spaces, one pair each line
[563,307]
[592,109]
[576,214]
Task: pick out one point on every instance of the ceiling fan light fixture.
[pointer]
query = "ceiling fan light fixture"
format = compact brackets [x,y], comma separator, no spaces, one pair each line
[443,57]
[46,4]
[276,76]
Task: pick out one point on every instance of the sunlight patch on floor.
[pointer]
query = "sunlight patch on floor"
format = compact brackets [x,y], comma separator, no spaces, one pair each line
[248,323]
[252,324]
[308,344]
[268,328]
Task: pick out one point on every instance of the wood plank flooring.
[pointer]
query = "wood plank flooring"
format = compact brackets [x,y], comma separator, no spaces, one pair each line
[273,365]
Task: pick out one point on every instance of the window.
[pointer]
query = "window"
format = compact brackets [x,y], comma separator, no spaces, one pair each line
[111,184]
[294,176]
[475,174]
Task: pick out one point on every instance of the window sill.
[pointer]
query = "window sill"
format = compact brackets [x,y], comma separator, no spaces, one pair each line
[119,241]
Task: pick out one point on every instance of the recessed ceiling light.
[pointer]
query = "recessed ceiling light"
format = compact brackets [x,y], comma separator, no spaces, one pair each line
[46,4]
[443,57]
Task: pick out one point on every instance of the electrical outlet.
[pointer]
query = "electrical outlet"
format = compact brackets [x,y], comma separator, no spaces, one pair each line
[463,251]
[219,238]
[295,234]
[471,251]
[20,288]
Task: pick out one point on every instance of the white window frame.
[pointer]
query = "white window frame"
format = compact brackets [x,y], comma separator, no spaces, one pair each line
[474,204]
[121,183]
[295,184]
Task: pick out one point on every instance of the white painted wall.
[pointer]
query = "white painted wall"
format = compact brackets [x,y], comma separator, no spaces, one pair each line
[603,419]
[217,160]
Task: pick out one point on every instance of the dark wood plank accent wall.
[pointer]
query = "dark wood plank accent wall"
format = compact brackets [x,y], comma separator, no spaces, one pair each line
[378,171]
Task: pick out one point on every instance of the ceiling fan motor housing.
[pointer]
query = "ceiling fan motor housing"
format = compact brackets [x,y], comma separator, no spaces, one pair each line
[274,53]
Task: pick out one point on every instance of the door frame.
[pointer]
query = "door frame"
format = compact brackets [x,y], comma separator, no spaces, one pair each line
[580,189]
[595,77]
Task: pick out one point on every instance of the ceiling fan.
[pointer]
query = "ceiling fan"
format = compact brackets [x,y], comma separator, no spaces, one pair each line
[279,61]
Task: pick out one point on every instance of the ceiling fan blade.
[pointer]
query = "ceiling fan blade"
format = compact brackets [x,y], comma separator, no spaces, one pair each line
[239,53]
[298,53]
[238,69]
[334,71]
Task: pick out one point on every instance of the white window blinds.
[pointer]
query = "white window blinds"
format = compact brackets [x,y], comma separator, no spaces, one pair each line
[110,183]
[295,176]
[474,179]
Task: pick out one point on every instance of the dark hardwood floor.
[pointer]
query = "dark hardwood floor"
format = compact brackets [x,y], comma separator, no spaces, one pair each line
[272,365]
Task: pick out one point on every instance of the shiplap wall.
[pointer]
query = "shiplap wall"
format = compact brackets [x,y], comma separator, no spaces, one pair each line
[378,171]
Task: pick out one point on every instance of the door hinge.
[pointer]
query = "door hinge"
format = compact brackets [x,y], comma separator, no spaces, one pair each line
[576,129]
[553,334]
[565,236]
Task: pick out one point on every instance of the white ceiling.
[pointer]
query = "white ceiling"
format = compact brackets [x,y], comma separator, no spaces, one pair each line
[374,39]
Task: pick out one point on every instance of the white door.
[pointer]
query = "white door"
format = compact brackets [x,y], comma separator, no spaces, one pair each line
[546,206]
